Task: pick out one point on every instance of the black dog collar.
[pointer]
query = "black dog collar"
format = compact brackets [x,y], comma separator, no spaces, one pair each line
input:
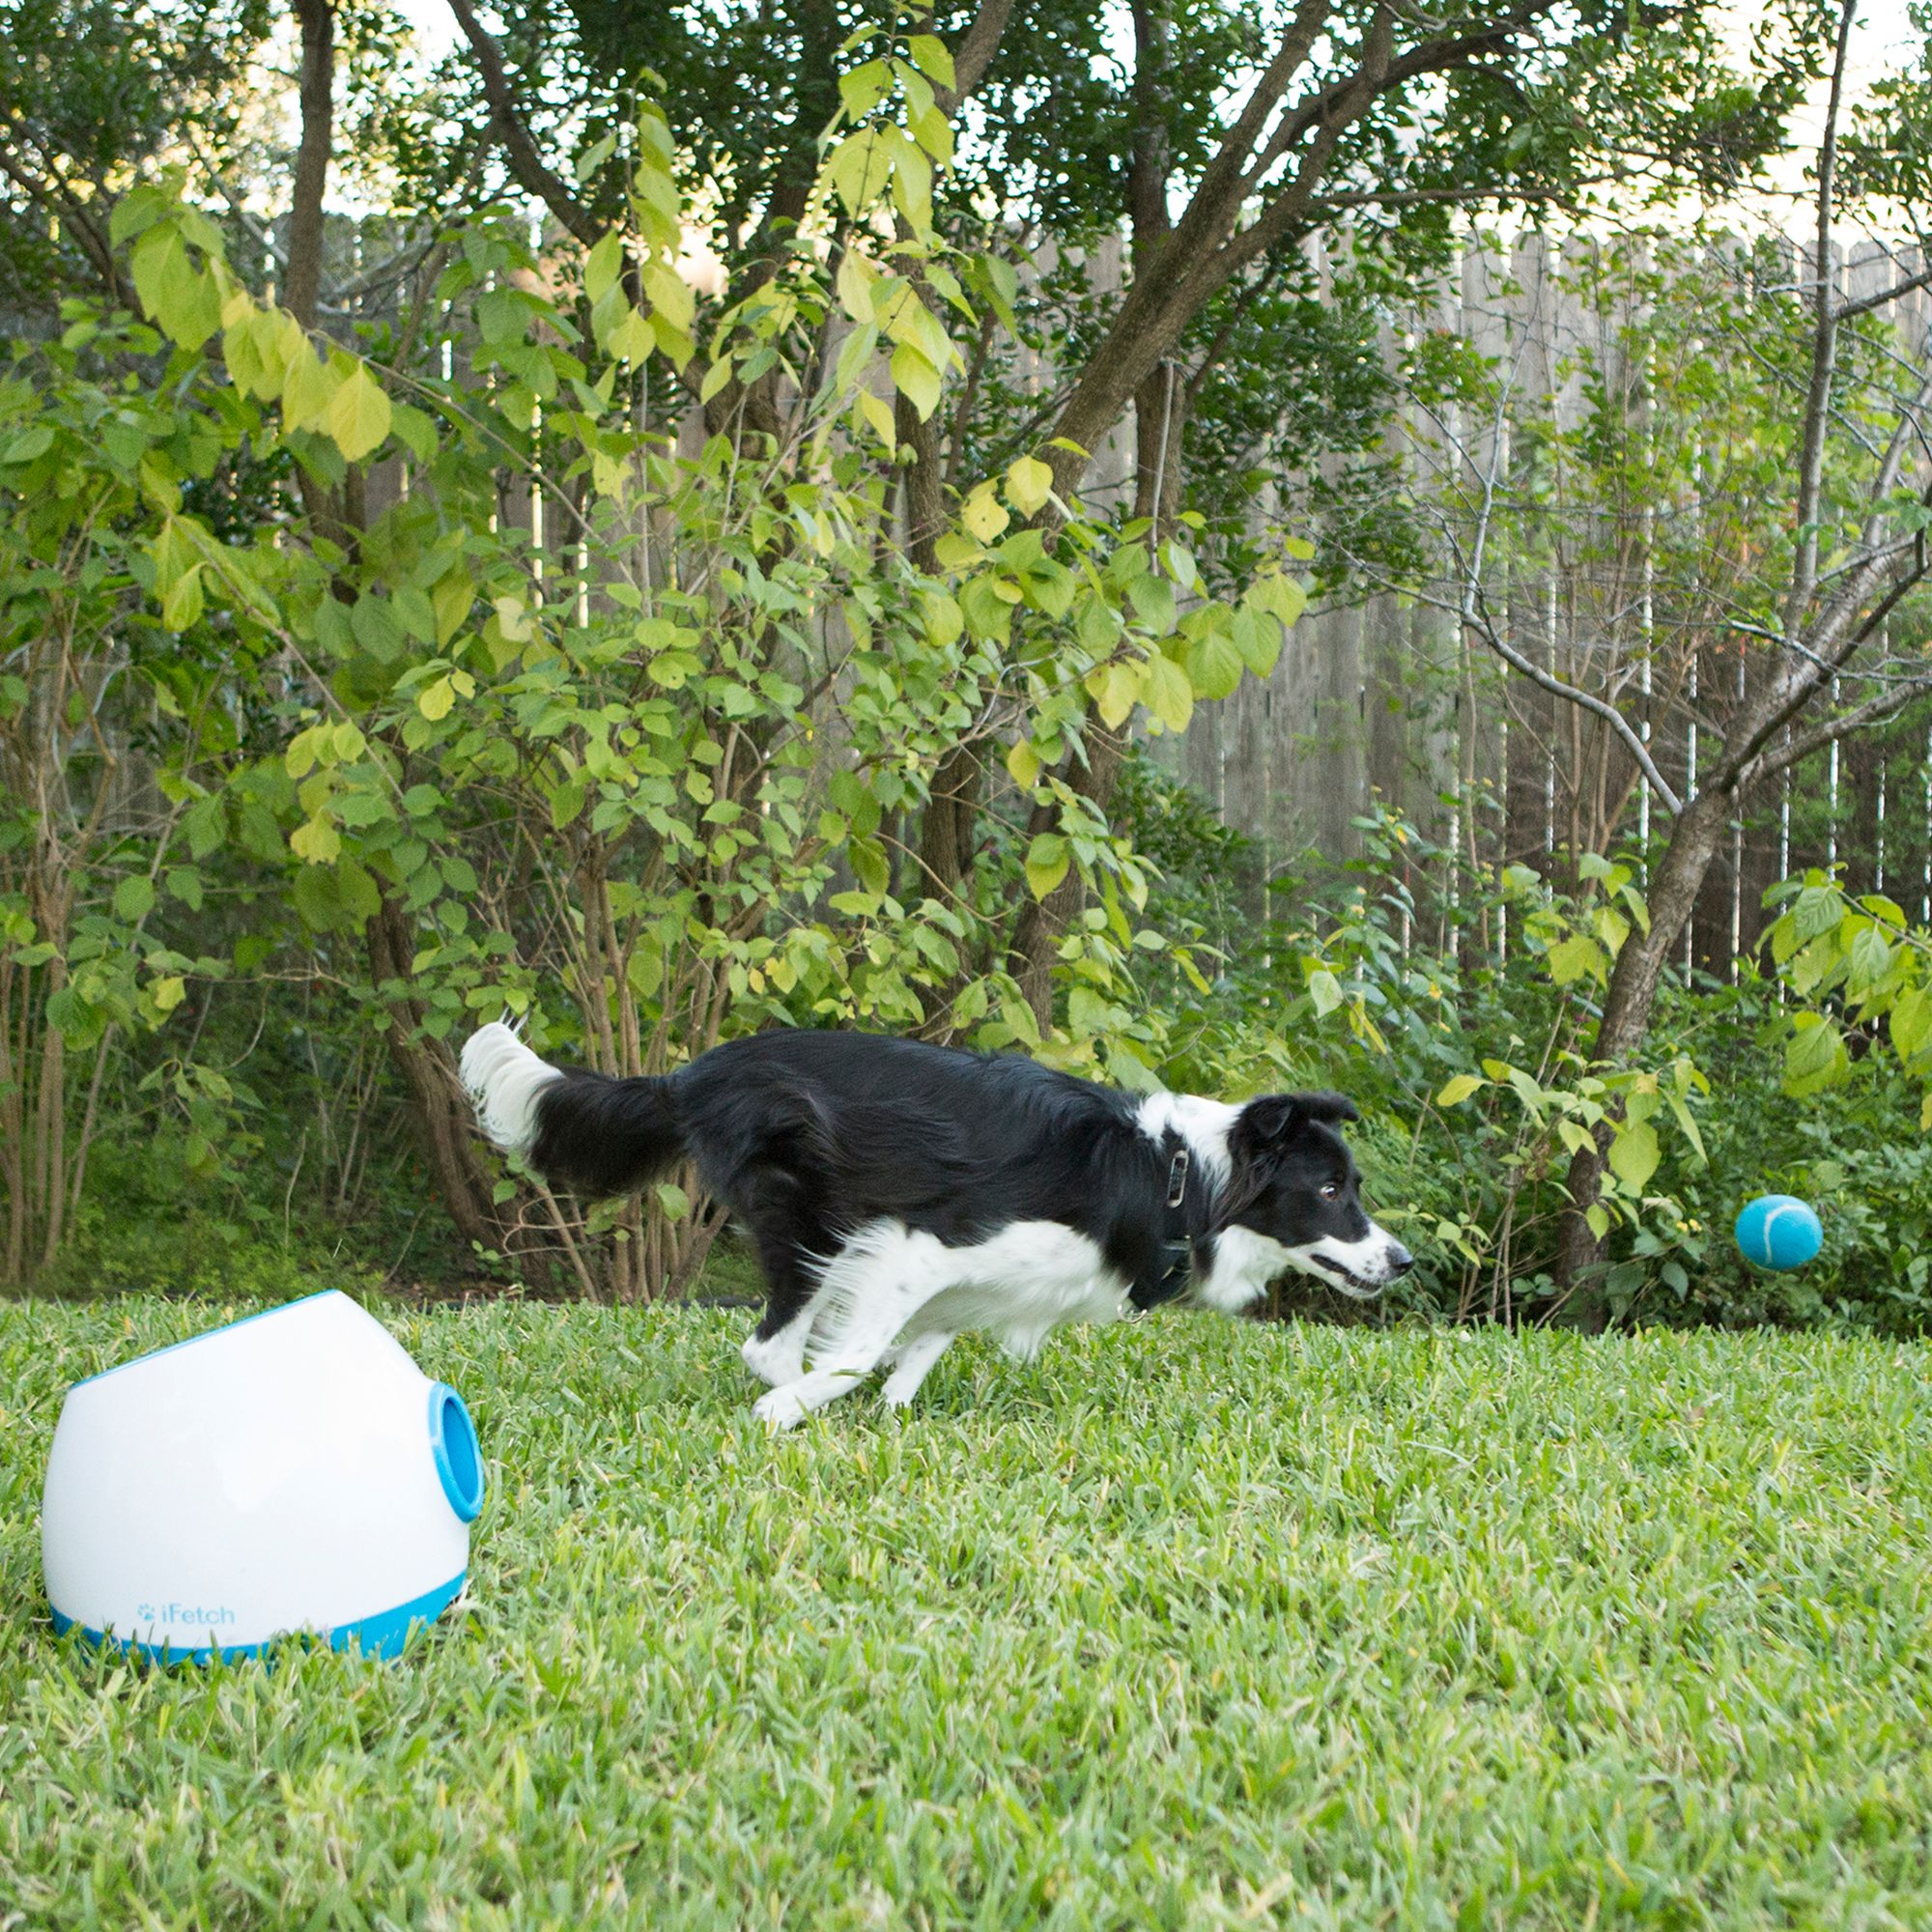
[1177,1247]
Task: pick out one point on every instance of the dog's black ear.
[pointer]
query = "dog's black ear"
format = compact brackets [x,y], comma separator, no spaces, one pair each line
[1275,1116]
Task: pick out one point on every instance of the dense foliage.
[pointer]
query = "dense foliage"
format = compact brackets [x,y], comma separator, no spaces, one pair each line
[691,614]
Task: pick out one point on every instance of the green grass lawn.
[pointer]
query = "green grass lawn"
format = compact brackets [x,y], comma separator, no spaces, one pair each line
[1187,1624]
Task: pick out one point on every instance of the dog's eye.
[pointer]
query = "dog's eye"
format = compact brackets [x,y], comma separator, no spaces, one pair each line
[1330,1189]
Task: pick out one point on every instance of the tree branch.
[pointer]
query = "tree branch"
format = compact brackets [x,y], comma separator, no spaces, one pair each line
[973,55]
[1878,709]
[55,196]
[533,174]
[302,285]
[1475,616]
[1865,304]
[1824,353]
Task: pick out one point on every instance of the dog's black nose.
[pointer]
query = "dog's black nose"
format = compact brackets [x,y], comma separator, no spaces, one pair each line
[1401,1261]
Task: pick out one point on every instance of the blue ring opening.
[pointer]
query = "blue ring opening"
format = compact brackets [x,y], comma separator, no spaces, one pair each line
[452,1442]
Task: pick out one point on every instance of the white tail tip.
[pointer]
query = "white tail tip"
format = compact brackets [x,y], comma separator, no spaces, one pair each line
[503,1078]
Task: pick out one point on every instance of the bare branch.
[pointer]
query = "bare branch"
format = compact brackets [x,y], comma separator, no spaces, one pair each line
[1476,617]
[974,54]
[1879,709]
[1323,205]
[1865,304]
[303,284]
[533,174]
[1824,351]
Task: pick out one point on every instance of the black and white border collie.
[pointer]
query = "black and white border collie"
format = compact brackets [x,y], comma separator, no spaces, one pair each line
[900,1193]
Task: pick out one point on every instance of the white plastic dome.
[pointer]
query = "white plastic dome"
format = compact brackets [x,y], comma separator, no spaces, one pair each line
[292,1471]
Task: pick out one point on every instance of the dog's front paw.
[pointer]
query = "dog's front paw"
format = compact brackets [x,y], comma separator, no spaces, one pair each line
[775,1359]
[778,1409]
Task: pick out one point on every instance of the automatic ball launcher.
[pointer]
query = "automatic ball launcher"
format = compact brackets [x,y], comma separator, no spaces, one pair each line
[294,1471]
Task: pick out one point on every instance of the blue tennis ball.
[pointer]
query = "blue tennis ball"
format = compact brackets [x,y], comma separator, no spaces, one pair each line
[1778,1231]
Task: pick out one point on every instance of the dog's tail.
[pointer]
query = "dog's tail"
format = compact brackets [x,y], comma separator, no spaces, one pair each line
[597,1135]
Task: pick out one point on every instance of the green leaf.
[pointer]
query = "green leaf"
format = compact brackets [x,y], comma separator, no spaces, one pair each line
[1029,484]
[1167,693]
[362,897]
[133,899]
[1116,689]
[603,267]
[1455,1092]
[878,414]
[594,157]
[182,607]
[306,388]
[205,825]
[858,168]
[983,516]
[868,864]
[916,380]
[1686,1126]
[1577,957]
[1814,1057]
[1819,910]
[377,628]
[931,56]
[1047,863]
[1870,961]
[864,87]
[316,842]
[1281,598]
[1258,638]
[1153,599]
[1213,665]
[28,444]
[634,338]
[1911,1022]
[669,296]
[358,413]
[565,803]
[1634,1154]
[1324,989]
[181,298]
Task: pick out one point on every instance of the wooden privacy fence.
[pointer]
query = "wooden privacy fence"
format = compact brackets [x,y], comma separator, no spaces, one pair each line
[1381,699]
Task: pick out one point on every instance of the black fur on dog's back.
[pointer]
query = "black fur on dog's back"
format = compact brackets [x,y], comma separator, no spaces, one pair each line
[807,1136]
[890,1126]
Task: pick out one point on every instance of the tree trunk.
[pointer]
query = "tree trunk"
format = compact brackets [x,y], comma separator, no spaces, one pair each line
[437,1101]
[1160,421]
[1695,839]
[947,833]
[302,287]
[435,1096]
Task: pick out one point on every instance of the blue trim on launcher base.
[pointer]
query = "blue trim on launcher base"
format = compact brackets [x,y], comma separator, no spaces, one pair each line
[381,1634]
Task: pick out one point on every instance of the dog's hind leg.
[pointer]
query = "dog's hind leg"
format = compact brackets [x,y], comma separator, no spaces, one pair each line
[912,1365]
[786,1232]
[871,1291]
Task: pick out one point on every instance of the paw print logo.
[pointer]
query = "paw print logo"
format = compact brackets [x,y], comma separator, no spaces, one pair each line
[145,1612]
